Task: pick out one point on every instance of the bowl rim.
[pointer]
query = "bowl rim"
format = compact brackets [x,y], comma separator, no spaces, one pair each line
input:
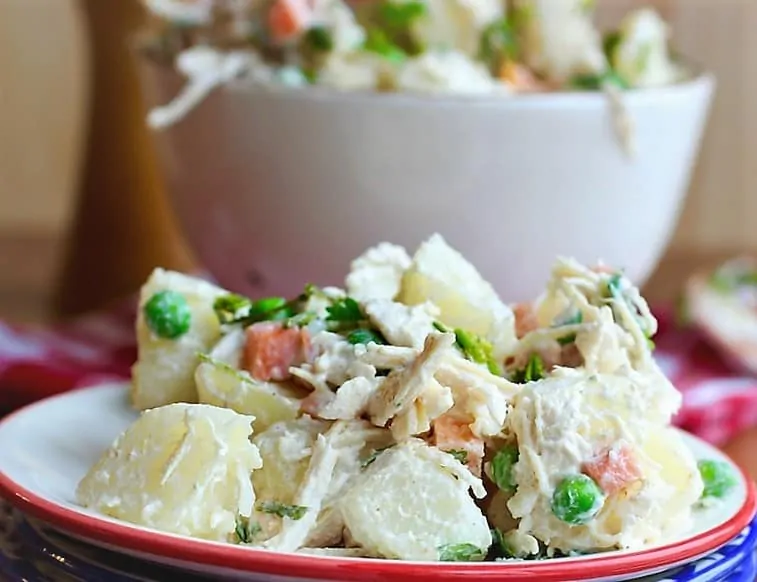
[701,81]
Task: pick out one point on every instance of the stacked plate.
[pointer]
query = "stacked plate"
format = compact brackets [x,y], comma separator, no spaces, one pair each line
[45,536]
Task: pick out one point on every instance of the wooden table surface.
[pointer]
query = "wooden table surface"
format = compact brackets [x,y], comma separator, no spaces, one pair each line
[28,266]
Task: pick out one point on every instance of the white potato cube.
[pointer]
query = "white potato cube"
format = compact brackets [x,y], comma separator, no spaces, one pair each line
[441,275]
[164,371]
[181,468]
[221,383]
[407,506]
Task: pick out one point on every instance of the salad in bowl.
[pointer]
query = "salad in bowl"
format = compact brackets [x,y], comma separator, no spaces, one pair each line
[453,47]
[409,415]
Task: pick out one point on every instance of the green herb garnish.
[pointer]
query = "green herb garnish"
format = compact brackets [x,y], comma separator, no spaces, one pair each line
[344,310]
[378,42]
[592,82]
[461,553]
[373,456]
[167,314]
[575,319]
[401,15]
[233,308]
[534,370]
[319,38]
[282,509]
[459,454]
[498,43]
[246,530]
[365,336]
[240,375]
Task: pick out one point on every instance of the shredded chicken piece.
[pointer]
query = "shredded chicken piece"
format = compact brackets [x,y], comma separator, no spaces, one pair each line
[613,329]
[352,439]
[205,69]
[350,400]
[431,404]
[311,494]
[478,394]
[402,325]
[402,387]
[385,357]
[455,467]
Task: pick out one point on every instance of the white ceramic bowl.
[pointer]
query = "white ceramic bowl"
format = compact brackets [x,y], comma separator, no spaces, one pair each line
[276,188]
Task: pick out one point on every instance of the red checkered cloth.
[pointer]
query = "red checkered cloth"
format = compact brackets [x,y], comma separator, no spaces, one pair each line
[718,402]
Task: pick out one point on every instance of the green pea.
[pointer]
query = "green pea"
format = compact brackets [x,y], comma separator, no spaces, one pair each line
[502,467]
[167,314]
[718,478]
[577,499]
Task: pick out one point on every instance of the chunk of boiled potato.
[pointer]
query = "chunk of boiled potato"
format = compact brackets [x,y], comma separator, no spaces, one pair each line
[285,449]
[164,371]
[220,382]
[180,468]
[456,24]
[441,275]
[406,506]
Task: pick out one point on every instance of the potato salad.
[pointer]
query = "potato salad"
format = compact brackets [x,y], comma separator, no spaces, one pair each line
[409,414]
[460,47]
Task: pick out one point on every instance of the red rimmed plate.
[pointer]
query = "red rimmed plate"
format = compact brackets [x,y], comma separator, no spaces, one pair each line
[47,447]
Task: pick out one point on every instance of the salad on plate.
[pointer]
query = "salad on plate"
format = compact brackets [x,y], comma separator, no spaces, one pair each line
[408,415]
[453,47]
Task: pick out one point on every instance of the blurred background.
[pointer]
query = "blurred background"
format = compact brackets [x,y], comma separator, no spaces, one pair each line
[73,151]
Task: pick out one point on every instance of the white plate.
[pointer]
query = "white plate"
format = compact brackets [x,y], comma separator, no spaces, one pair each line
[46,448]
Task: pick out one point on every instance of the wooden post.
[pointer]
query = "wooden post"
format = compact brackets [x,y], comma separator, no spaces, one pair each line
[122,226]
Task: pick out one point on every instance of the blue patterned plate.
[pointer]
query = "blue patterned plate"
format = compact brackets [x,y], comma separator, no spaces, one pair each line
[31,550]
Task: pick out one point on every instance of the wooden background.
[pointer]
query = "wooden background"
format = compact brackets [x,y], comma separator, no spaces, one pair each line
[43,105]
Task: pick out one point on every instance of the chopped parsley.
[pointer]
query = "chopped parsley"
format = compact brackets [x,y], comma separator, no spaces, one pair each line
[282,509]
[610,42]
[365,336]
[240,375]
[595,82]
[245,530]
[378,42]
[534,370]
[473,347]
[373,456]
[344,310]
[401,15]
[460,553]
[232,308]
[499,548]
[459,454]
[319,38]
[498,43]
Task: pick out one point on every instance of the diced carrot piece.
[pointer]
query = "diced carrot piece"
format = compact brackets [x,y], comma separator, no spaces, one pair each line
[453,434]
[614,468]
[288,18]
[525,318]
[271,349]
